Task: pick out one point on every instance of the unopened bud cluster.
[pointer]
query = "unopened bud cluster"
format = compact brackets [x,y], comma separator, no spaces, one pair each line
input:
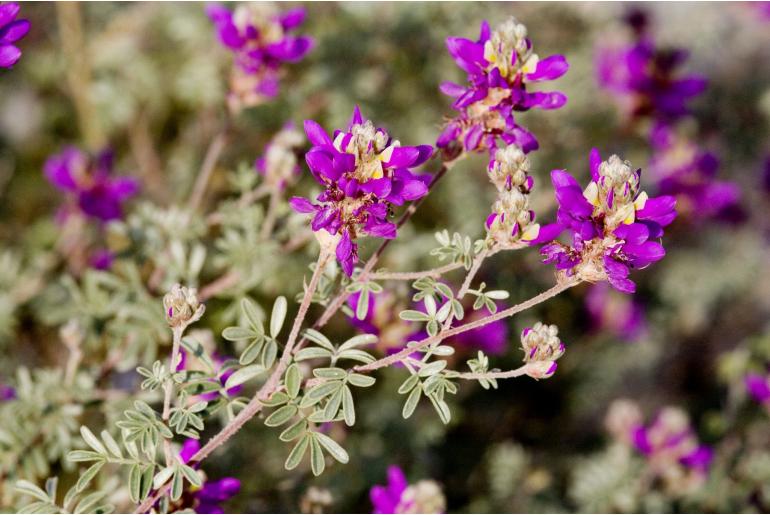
[542,347]
[181,306]
[615,191]
[511,220]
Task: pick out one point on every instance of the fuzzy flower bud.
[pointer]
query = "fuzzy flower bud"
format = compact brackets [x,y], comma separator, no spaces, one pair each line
[541,369]
[181,306]
[541,343]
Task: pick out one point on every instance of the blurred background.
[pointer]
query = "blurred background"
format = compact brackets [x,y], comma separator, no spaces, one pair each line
[149,81]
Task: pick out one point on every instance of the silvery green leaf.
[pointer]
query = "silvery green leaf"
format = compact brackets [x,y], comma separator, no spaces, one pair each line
[317,417]
[78,456]
[411,315]
[162,477]
[362,306]
[89,502]
[356,341]
[432,368]
[411,401]
[443,312]
[444,350]
[348,407]
[92,441]
[332,407]
[235,334]
[293,380]
[197,258]
[444,290]
[442,408]
[317,462]
[294,431]
[322,390]
[69,498]
[50,487]
[135,483]
[269,353]
[112,445]
[430,306]
[296,454]
[432,328]
[478,302]
[281,416]
[243,375]
[408,384]
[251,352]
[278,316]
[361,380]
[198,407]
[336,451]
[375,287]
[356,355]
[491,306]
[177,486]
[25,487]
[457,309]
[147,475]
[498,294]
[192,476]
[330,373]
[312,353]
[318,338]
[88,475]
[450,386]
[252,315]
[442,237]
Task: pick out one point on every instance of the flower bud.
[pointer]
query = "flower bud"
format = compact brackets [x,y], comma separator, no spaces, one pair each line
[182,306]
[541,369]
[541,343]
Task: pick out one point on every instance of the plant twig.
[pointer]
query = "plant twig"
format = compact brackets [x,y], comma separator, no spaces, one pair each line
[207,168]
[169,389]
[411,276]
[407,351]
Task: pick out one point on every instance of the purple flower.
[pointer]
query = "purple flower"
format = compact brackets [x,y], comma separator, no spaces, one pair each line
[491,338]
[11,31]
[618,314]
[500,65]
[261,41]
[759,387]
[398,496]
[646,78]
[209,497]
[89,182]
[614,225]
[670,441]
[364,173]
[684,170]
[7,393]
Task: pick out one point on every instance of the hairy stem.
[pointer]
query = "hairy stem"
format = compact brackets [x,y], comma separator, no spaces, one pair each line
[255,405]
[169,389]
[215,149]
[272,213]
[534,301]
[411,276]
[518,372]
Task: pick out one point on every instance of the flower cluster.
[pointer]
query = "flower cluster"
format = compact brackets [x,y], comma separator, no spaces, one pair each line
[364,172]
[181,306]
[212,494]
[260,40]
[279,164]
[646,78]
[500,66]
[542,347]
[681,168]
[11,31]
[89,182]
[612,222]
[669,444]
[512,222]
[398,496]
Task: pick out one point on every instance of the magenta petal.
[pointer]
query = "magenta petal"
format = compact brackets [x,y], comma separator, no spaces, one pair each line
[594,161]
[14,31]
[549,68]
[316,134]
[301,205]
[292,18]
[9,55]
[451,89]
[402,157]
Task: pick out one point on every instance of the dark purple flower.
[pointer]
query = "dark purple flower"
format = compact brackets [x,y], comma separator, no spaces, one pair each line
[364,173]
[491,338]
[670,440]
[500,65]
[261,41]
[646,78]
[614,225]
[685,171]
[88,180]
[398,496]
[618,314]
[759,387]
[7,393]
[11,31]
[209,497]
